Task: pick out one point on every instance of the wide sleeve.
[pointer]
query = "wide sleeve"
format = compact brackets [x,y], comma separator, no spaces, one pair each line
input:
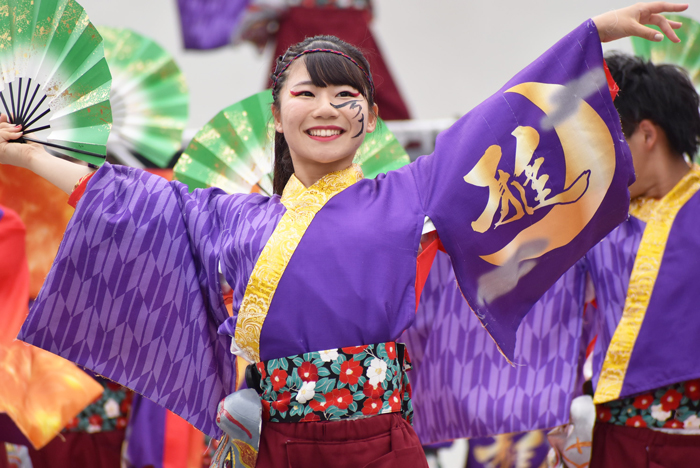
[523,185]
[134,293]
[462,387]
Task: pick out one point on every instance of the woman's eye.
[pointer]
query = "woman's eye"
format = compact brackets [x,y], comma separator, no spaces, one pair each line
[348,94]
[302,93]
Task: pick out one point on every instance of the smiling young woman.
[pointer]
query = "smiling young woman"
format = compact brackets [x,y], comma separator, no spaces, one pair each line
[323,105]
[324,271]
[322,124]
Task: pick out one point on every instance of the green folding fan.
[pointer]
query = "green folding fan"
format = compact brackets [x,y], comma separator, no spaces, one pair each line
[149,96]
[234,150]
[686,54]
[55,80]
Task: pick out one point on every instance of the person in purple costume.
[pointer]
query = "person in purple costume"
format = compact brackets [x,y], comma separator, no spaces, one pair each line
[328,263]
[646,372]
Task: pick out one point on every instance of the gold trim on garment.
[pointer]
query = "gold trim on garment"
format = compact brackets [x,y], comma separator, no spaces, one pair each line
[659,215]
[302,205]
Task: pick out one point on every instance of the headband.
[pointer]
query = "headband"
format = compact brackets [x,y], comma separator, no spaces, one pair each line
[277,74]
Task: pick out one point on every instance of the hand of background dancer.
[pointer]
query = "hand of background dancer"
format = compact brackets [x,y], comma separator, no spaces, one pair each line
[63,174]
[630,21]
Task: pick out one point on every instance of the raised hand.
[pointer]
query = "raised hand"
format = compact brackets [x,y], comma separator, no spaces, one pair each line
[63,174]
[15,154]
[630,21]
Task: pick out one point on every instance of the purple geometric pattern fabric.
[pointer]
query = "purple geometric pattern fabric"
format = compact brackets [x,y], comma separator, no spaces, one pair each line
[207,24]
[610,265]
[134,292]
[462,385]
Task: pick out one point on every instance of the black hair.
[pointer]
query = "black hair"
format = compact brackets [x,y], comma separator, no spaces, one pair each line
[324,69]
[662,94]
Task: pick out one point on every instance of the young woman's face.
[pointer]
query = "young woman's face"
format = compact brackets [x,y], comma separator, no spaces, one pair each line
[321,125]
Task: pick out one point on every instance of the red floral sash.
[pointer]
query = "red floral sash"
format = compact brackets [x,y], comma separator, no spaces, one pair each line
[675,406]
[343,383]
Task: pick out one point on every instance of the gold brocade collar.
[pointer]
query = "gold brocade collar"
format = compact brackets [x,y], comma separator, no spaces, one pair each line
[643,207]
[302,205]
[295,193]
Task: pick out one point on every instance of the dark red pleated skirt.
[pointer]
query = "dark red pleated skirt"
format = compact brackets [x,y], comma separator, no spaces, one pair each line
[80,449]
[621,446]
[384,441]
[351,26]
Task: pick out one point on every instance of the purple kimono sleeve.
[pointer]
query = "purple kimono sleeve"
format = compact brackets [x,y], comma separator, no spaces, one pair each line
[462,387]
[134,294]
[525,184]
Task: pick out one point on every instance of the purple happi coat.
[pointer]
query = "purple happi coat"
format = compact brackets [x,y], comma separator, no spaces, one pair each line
[667,347]
[134,292]
[462,386]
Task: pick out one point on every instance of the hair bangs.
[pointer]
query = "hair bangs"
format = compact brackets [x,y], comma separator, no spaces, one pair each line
[331,69]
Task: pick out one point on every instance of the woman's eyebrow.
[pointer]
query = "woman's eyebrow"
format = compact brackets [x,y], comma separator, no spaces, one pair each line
[307,82]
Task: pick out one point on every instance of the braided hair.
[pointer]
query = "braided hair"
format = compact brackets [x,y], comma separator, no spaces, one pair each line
[348,67]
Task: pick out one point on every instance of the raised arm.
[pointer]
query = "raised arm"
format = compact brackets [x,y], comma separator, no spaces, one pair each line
[630,21]
[60,172]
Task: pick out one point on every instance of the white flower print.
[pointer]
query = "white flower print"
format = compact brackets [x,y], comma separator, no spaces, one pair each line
[693,422]
[376,371]
[92,428]
[306,392]
[329,355]
[111,408]
[659,414]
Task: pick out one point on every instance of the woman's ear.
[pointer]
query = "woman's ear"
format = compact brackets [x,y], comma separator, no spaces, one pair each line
[649,131]
[278,119]
[372,119]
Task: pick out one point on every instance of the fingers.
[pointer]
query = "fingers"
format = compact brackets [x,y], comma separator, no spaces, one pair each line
[631,21]
[9,131]
[660,7]
[665,27]
[3,118]
[647,33]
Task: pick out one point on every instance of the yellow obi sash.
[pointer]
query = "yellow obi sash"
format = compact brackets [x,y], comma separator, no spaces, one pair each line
[659,215]
[302,204]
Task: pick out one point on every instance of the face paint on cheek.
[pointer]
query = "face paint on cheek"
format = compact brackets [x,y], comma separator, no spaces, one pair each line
[354,105]
[362,128]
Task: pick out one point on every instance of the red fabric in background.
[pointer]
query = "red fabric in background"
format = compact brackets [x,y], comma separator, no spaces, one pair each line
[74,449]
[621,446]
[351,26]
[79,190]
[3,457]
[14,277]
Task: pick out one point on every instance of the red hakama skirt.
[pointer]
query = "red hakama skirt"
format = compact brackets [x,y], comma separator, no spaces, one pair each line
[383,441]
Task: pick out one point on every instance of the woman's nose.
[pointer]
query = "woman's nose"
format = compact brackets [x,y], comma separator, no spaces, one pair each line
[325,109]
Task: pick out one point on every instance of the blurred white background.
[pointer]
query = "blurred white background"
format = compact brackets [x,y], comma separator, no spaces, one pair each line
[446,55]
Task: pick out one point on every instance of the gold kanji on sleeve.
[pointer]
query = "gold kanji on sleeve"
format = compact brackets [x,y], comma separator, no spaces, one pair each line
[501,183]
